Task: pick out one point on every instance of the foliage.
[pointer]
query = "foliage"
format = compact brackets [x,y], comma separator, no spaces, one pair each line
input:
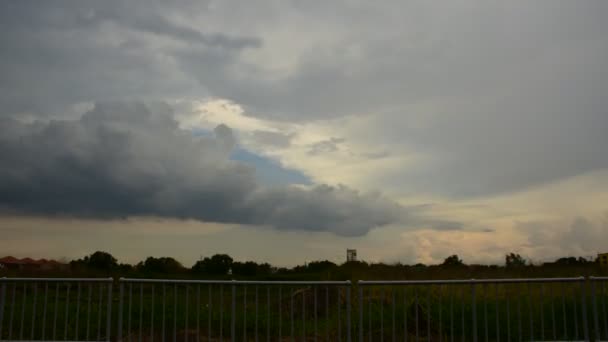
[100,261]
[452,260]
[160,265]
[513,260]
[218,264]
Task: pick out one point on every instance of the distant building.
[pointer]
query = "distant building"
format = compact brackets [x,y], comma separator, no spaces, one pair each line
[602,258]
[12,263]
[351,255]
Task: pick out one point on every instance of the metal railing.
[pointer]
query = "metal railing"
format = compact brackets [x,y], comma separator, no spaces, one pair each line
[195,310]
[599,295]
[78,309]
[82,309]
[539,309]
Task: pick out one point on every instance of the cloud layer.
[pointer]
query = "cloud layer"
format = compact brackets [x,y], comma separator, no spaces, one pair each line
[121,160]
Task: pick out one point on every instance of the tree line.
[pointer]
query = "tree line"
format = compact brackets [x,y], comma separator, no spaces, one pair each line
[223,265]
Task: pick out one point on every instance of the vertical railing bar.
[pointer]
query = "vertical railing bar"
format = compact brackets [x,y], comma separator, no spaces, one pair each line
[563,288]
[576,330]
[2,305]
[291,315]
[394,319]
[339,314]
[474,308]
[315,311]
[542,312]
[34,310]
[44,308]
[348,314]
[360,312]
[78,290]
[508,305]
[109,313]
[584,309]
[209,312]
[416,308]
[54,309]
[130,312]
[99,312]
[221,304]
[553,325]
[256,314]
[23,311]
[245,313]
[90,295]
[327,313]
[187,313]
[175,313]
[531,316]
[485,310]
[381,299]
[304,314]
[596,324]
[280,312]
[496,305]
[233,315]
[10,325]
[268,320]
[67,312]
[519,317]
[141,311]
[152,309]
[452,333]
[428,313]
[120,311]
[369,314]
[440,298]
[405,332]
[198,312]
[604,308]
[463,291]
[163,337]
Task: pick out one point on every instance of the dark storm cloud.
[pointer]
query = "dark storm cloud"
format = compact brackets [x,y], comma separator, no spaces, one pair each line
[59,53]
[497,97]
[120,160]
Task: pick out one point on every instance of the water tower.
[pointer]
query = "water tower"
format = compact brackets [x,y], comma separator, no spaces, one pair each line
[351,255]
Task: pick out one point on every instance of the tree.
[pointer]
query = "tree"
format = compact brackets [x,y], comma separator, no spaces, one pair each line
[248,268]
[165,265]
[219,264]
[320,266]
[513,260]
[100,261]
[452,260]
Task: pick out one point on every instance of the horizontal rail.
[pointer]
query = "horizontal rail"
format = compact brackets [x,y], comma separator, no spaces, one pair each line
[598,278]
[233,282]
[469,281]
[103,280]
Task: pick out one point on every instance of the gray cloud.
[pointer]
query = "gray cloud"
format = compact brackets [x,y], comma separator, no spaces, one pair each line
[120,160]
[494,107]
[326,146]
[273,139]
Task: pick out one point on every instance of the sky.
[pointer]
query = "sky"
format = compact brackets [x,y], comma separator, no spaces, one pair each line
[289,131]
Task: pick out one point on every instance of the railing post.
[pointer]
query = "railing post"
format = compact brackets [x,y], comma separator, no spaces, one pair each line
[360,311]
[348,313]
[584,309]
[474,307]
[2,301]
[120,309]
[596,325]
[2,304]
[233,315]
[109,318]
